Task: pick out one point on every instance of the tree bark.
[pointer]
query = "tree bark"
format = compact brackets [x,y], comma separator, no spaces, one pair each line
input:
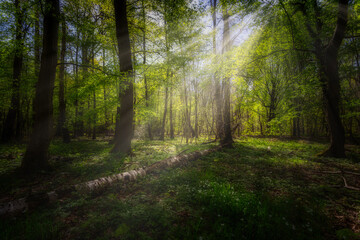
[330,81]
[11,128]
[76,103]
[218,98]
[62,128]
[36,155]
[106,114]
[196,109]
[37,41]
[148,125]
[227,139]
[162,134]
[125,113]
[94,116]
[172,136]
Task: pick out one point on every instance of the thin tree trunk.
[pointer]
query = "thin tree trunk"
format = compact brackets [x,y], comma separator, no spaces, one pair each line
[148,125]
[36,155]
[106,115]
[186,124]
[147,105]
[171,115]
[82,130]
[61,128]
[125,113]
[94,104]
[196,110]
[227,140]
[37,41]
[11,128]
[162,134]
[218,98]
[94,116]
[76,123]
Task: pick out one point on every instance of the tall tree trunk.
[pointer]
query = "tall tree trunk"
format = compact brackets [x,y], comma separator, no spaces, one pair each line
[76,70]
[196,110]
[331,91]
[227,140]
[106,114]
[11,128]
[81,103]
[106,111]
[94,115]
[125,113]
[329,76]
[296,120]
[36,155]
[162,134]
[62,128]
[148,125]
[217,96]
[189,131]
[186,124]
[171,115]
[37,41]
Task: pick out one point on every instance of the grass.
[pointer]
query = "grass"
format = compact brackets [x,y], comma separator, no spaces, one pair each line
[80,161]
[260,189]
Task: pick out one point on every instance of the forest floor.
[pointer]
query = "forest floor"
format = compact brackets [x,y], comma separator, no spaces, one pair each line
[263,188]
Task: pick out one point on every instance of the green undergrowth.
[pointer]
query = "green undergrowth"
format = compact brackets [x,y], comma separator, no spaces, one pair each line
[81,161]
[260,189]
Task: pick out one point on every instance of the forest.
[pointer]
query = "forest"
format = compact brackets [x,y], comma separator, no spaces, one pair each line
[180,119]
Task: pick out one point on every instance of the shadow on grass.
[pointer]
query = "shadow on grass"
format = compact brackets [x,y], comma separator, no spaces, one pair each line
[260,189]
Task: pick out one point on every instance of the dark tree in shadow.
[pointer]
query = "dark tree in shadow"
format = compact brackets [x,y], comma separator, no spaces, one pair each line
[125,113]
[327,60]
[36,155]
[11,128]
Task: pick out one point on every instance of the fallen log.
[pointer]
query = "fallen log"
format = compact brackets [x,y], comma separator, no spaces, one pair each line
[34,200]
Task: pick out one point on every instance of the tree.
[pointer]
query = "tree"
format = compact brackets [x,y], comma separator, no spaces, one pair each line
[227,136]
[148,125]
[36,155]
[218,97]
[125,113]
[328,69]
[12,125]
[62,128]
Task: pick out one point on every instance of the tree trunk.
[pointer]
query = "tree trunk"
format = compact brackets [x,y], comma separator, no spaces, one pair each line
[94,116]
[331,91]
[36,155]
[81,103]
[196,110]
[106,115]
[171,115]
[148,125]
[76,70]
[37,41]
[330,80]
[227,140]
[125,113]
[162,135]
[11,128]
[218,98]
[62,128]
